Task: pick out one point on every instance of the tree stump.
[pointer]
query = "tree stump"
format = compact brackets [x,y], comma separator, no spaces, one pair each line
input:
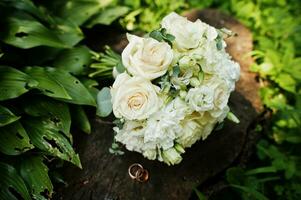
[105,176]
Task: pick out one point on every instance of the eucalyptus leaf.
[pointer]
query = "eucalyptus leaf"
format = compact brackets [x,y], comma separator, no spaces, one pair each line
[6,116]
[120,67]
[35,174]
[14,139]
[48,138]
[14,83]
[59,83]
[104,104]
[11,183]
[157,35]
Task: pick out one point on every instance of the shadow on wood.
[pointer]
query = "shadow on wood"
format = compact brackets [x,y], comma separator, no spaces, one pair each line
[104,176]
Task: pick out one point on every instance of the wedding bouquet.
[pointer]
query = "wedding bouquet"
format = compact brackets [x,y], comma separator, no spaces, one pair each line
[172,88]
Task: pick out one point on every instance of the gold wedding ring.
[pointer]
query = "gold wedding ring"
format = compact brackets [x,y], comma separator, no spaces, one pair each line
[138,173]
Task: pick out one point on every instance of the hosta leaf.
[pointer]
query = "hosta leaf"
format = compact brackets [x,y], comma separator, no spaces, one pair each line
[90,85]
[6,116]
[14,139]
[11,183]
[14,83]
[67,31]
[25,32]
[104,105]
[48,84]
[61,84]
[80,119]
[46,136]
[108,15]
[79,11]
[24,5]
[73,60]
[35,174]
[56,111]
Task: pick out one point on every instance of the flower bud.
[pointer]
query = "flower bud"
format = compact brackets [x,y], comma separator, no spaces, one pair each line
[183,94]
[179,148]
[194,82]
[171,156]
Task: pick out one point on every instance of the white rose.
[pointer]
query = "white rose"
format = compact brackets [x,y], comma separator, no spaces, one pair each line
[200,99]
[188,34]
[146,57]
[134,98]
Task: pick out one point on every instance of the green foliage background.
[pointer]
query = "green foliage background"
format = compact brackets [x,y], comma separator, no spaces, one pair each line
[48,80]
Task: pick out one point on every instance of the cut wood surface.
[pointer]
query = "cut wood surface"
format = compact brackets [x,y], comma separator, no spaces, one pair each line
[105,176]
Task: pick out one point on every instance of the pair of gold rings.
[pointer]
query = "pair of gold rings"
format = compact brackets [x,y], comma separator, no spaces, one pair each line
[138,173]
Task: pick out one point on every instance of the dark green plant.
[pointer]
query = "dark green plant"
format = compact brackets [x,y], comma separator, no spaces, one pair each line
[44,88]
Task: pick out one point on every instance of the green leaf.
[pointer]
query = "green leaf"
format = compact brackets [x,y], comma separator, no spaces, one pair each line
[56,111]
[79,11]
[157,35]
[6,116]
[235,175]
[257,195]
[61,84]
[80,119]
[48,84]
[286,82]
[176,71]
[10,181]
[14,139]
[120,67]
[260,170]
[24,5]
[201,76]
[14,83]
[46,136]
[35,174]
[25,32]
[73,60]
[232,117]
[104,103]
[108,15]
[169,37]
[68,32]
[199,194]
